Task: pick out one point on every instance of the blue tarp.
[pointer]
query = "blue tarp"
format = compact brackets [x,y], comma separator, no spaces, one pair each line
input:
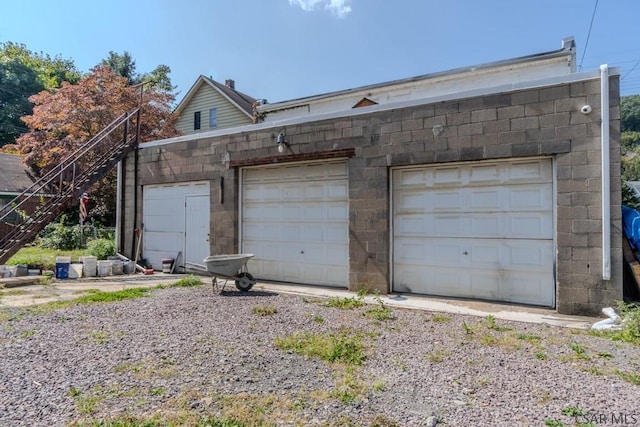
[631,226]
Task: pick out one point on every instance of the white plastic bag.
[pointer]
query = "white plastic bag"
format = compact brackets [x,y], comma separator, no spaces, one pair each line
[610,324]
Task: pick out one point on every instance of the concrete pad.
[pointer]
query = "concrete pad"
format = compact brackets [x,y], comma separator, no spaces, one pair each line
[30,291]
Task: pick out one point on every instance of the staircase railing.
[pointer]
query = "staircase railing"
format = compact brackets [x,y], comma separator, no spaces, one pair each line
[60,187]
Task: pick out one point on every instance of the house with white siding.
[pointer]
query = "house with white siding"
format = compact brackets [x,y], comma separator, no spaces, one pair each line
[210,105]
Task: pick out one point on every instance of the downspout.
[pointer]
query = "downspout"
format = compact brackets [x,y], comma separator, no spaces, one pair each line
[119,183]
[606,178]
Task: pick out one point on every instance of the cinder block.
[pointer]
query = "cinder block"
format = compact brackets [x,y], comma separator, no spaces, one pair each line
[539,108]
[553,93]
[510,112]
[454,119]
[485,115]
[524,123]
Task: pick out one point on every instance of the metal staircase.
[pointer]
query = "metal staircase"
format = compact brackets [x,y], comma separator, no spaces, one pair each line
[63,185]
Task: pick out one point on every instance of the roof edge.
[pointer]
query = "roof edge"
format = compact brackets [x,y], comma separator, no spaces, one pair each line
[567,49]
[549,81]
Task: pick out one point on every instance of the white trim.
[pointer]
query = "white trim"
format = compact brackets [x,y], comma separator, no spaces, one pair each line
[532,84]
[606,178]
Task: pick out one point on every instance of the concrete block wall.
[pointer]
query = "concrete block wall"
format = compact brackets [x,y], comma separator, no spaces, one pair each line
[544,121]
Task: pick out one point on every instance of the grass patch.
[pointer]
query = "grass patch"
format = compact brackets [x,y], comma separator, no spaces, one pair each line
[264,310]
[349,387]
[102,297]
[491,324]
[11,292]
[573,411]
[174,420]
[99,337]
[541,355]
[344,347]
[27,334]
[346,303]
[437,356]
[440,318]
[380,311]
[468,329]
[530,338]
[629,376]
[579,351]
[39,257]
[93,296]
[187,282]
[318,319]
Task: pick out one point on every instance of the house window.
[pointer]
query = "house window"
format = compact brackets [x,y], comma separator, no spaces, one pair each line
[213,118]
[196,120]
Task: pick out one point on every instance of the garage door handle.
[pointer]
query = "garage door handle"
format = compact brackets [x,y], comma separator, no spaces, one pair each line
[465,253]
[302,252]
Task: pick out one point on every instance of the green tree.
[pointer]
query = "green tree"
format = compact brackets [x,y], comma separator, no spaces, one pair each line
[125,66]
[629,139]
[17,83]
[630,113]
[24,73]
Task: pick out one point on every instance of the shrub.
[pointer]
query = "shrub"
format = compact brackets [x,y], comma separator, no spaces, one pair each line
[58,236]
[102,248]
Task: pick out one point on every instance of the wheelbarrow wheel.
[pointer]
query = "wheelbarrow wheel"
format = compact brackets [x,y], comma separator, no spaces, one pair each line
[244,281]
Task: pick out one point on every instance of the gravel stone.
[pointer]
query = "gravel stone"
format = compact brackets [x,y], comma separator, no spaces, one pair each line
[188,349]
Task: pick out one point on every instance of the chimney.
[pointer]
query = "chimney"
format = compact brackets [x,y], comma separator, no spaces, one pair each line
[230,84]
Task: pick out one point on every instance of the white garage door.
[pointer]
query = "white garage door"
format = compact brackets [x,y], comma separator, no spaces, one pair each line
[176,219]
[295,221]
[482,230]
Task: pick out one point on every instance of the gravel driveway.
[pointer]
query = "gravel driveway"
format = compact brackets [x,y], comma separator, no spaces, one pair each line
[186,356]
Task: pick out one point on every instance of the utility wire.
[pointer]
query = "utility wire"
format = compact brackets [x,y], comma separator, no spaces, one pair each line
[588,35]
[632,68]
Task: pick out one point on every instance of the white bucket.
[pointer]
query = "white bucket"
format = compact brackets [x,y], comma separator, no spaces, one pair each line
[167,263]
[90,265]
[75,271]
[104,268]
[8,270]
[129,267]
[116,267]
[4,271]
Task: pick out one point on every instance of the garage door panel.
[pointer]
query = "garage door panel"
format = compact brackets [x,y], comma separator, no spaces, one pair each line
[337,190]
[475,230]
[305,208]
[167,219]
[157,223]
[497,225]
[505,254]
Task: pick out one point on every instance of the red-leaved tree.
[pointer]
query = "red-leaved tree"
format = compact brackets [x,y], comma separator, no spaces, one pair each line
[66,118]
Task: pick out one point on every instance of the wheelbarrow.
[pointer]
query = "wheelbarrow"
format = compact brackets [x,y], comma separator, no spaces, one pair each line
[227,267]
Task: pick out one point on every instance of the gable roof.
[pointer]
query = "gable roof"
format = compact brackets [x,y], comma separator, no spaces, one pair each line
[240,100]
[14,175]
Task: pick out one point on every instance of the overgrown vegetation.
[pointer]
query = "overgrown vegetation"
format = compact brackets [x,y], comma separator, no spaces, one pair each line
[100,296]
[345,303]
[264,310]
[344,347]
[187,282]
[38,257]
[102,248]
